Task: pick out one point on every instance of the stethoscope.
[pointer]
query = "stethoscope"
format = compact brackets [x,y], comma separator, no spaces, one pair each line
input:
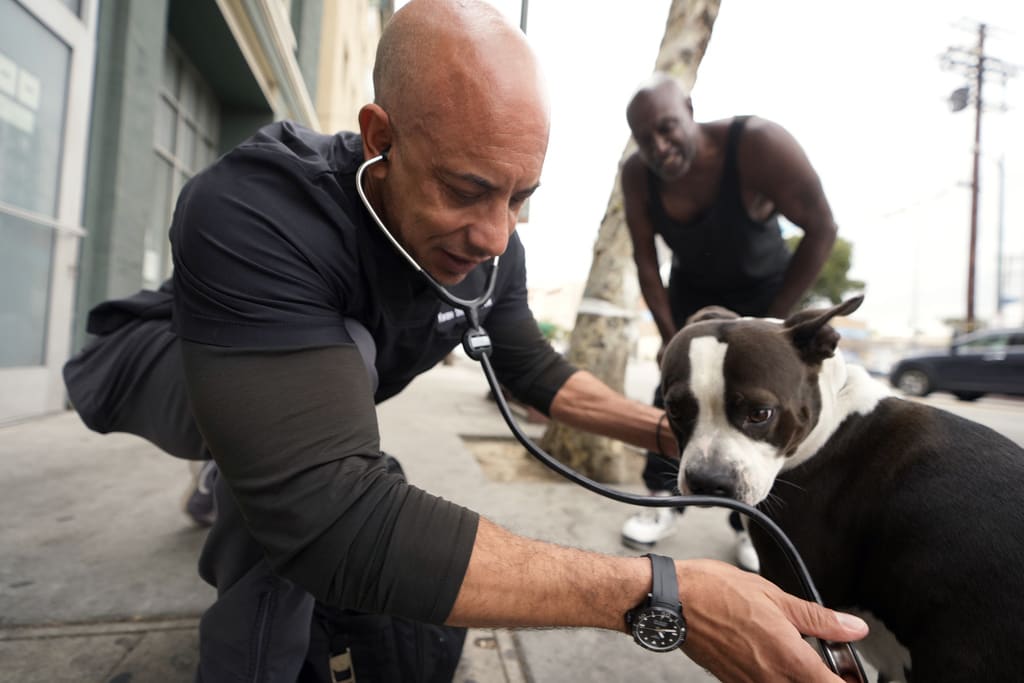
[842,658]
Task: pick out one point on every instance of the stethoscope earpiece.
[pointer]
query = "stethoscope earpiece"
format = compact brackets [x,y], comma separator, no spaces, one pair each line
[471,307]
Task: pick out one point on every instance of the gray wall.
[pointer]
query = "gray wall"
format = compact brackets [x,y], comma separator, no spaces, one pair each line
[129,60]
[131,39]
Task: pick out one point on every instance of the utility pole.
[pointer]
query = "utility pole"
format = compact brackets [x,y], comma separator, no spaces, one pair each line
[1000,295]
[975,65]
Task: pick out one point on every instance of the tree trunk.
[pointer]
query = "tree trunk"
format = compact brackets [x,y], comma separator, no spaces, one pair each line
[604,332]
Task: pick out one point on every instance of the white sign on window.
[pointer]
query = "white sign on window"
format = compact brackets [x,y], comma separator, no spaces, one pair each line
[18,84]
[16,115]
[28,90]
[8,75]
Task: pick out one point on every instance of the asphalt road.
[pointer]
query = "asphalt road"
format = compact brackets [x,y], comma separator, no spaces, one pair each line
[1003,414]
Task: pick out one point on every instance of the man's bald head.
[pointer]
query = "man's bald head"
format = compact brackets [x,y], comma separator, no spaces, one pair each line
[437,56]
[661,85]
[660,115]
[461,112]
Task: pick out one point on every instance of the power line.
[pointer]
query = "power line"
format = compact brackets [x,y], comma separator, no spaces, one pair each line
[924,201]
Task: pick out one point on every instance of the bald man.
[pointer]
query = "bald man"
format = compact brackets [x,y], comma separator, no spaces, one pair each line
[714,191]
[296,314]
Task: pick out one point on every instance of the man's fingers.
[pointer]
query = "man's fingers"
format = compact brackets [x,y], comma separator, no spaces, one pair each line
[812,619]
[744,629]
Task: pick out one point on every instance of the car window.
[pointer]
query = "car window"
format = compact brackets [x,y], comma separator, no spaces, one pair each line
[984,344]
[1017,341]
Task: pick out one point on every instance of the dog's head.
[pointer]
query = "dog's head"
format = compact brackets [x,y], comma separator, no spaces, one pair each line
[742,394]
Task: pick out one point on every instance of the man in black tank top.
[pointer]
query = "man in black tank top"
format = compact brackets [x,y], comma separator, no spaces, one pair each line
[714,191]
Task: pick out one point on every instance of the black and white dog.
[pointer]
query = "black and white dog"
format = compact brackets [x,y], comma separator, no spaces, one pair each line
[905,514]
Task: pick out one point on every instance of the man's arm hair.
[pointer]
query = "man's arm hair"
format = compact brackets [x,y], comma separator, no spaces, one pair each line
[635,194]
[587,403]
[773,164]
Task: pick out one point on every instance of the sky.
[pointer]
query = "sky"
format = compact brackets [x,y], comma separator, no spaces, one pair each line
[861,88]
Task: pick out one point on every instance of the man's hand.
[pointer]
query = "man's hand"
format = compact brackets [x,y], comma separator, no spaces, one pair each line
[744,629]
[661,353]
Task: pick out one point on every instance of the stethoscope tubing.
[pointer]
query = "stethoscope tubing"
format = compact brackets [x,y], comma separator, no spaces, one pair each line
[477,345]
[830,651]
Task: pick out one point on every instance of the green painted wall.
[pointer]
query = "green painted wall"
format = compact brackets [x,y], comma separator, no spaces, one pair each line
[131,39]
[129,59]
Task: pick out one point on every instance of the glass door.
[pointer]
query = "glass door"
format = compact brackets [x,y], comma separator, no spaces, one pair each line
[46,54]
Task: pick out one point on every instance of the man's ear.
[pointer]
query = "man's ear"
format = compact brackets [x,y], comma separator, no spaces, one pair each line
[375,128]
[811,334]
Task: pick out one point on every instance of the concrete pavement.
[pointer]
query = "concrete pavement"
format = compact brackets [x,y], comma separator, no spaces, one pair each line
[97,561]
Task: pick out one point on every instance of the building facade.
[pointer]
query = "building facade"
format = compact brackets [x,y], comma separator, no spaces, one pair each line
[107,107]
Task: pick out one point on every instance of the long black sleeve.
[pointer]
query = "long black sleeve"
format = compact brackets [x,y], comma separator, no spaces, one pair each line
[526,364]
[295,434]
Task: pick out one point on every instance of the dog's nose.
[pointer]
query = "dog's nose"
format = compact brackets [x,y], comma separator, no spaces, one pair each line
[711,480]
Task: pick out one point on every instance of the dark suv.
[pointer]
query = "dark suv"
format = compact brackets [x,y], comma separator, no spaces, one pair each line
[987,362]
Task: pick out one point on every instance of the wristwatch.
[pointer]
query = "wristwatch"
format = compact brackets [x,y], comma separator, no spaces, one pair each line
[657,623]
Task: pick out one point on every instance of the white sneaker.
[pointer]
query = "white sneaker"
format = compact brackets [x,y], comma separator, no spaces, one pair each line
[200,504]
[647,527]
[746,556]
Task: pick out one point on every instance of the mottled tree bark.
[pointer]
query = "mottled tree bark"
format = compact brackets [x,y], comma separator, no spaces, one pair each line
[603,334]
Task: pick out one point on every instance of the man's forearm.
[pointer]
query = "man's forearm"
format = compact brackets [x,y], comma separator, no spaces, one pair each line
[587,403]
[514,581]
[656,297]
[739,626]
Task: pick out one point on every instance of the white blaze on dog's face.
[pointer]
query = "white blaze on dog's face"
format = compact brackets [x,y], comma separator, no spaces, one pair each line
[723,458]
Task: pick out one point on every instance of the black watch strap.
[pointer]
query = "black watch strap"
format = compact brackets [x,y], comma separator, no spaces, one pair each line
[664,586]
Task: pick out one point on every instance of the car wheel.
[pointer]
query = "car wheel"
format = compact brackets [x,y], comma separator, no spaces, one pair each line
[968,395]
[913,383]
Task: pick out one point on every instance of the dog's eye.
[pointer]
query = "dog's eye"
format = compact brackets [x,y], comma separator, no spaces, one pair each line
[759,415]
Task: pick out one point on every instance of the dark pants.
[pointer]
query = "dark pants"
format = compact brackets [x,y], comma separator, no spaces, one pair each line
[662,475]
[265,628]
[258,628]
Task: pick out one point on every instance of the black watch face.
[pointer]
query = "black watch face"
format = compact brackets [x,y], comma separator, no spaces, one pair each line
[659,629]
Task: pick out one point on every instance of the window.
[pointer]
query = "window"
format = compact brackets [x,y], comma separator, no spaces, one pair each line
[984,344]
[185,142]
[35,66]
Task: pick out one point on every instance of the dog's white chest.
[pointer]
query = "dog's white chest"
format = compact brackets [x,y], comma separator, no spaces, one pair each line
[882,649]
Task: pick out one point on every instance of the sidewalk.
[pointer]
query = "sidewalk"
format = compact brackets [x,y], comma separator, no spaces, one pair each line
[97,561]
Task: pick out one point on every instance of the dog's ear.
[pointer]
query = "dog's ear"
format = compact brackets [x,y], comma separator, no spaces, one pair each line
[811,334]
[711,313]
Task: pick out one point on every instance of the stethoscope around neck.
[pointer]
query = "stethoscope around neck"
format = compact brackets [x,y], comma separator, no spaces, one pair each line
[842,658]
